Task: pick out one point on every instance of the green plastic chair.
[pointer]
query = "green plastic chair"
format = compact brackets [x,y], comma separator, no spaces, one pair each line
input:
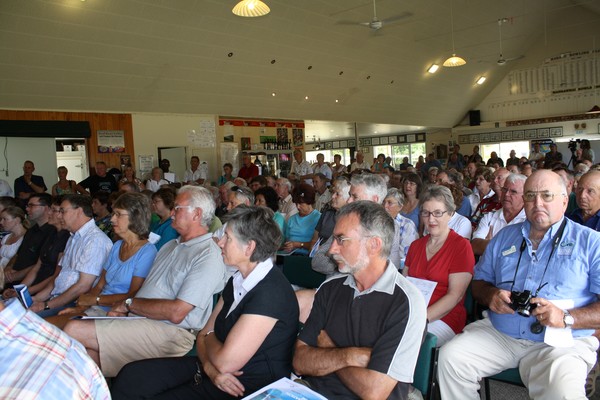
[426,369]
[298,271]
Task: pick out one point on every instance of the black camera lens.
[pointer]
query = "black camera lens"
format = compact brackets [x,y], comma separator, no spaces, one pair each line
[536,328]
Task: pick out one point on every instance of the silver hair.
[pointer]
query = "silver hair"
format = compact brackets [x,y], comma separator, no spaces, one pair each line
[342,185]
[201,198]
[373,220]
[515,178]
[439,193]
[251,223]
[374,185]
[243,193]
[396,194]
[286,182]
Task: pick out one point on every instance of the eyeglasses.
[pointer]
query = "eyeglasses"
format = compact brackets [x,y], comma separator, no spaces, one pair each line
[436,213]
[118,214]
[29,205]
[176,208]
[512,192]
[55,210]
[64,210]
[339,239]
[547,197]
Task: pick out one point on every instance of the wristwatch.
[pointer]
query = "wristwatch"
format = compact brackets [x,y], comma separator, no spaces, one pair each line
[128,303]
[568,319]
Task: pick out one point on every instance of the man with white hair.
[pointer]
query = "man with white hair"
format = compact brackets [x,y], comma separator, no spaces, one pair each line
[176,298]
[512,212]
[360,162]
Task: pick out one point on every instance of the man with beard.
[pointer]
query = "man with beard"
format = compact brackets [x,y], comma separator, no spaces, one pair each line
[364,332]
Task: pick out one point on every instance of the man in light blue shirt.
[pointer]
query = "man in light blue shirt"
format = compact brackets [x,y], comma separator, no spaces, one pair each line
[557,262]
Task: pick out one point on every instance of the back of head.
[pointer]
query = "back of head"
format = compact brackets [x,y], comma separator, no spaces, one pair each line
[303,193]
[375,185]
[251,223]
[373,220]
[201,198]
[243,194]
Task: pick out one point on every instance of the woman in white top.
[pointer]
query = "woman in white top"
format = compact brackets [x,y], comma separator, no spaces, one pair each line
[156,181]
[13,221]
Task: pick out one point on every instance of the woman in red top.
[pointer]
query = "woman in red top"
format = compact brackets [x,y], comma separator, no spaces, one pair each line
[444,257]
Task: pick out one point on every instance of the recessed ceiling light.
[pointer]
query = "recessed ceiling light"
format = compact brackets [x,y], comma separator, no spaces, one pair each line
[229,54]
[337,101]
[433,68]
[480,80]
[309,67]
[273,94]
[341,73]
[305,97]
[368,76]
[273,61]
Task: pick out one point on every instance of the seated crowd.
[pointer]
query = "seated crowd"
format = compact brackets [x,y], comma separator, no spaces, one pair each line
[191,273]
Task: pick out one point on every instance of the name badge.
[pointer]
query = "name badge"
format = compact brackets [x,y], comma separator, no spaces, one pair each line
[509,251]
[566,248]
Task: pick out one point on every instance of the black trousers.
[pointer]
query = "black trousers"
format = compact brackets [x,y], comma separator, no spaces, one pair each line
[164,378]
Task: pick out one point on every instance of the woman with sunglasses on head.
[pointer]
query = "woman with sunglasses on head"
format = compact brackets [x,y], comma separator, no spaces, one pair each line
[444,257]
[248,340]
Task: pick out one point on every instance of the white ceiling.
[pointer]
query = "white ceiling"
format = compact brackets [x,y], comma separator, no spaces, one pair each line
[171,56]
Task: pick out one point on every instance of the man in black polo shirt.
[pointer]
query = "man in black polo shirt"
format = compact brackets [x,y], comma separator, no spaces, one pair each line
[100,181]
[38,212]
[364,332]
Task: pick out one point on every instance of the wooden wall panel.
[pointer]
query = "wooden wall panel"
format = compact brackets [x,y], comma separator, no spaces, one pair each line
[97,121]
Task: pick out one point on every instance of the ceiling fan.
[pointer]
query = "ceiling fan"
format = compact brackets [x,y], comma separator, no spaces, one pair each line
[502,60]
[375,24]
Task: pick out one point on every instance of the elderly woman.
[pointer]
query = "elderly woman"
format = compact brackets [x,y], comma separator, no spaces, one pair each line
[393,202]
[13,221]
[156,180]
[248,340]
[301,226]
[267,197]
[163,202]
[411,188]
[129,177]
[128,263]
[444,257]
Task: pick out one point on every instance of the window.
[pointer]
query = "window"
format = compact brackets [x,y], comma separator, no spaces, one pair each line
[311,156]
[399,151]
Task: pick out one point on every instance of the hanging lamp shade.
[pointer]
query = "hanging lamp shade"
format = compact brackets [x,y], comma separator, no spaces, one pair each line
[594,110]
[251,8]
[454,61]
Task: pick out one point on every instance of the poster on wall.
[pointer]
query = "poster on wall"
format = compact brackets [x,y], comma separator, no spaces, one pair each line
[298,137]
[111,141]
[145,164]
[246,144]
[282,135]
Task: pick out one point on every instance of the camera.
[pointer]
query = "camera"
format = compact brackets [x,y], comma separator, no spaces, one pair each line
[573,145]
[521,303]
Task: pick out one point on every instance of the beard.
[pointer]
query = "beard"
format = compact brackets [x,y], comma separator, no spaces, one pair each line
[345,267]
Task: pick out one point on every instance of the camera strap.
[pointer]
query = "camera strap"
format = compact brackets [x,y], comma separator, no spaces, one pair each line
[555,242]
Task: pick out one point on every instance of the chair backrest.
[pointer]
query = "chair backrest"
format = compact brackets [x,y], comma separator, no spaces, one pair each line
[299,272]
[425,370]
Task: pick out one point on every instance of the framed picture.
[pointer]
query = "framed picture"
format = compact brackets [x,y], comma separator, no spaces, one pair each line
[507,135]
[394,139]
[543,133]
[246,144]
[556,132]
[402,139]
[518,135]
[383,140]
[530,134]
[496,136]
[335,145]
[366,142]
[411,138]
[485,137]
[474,138]
[352,143]
[420,137]
[328,145]
[365,150]
[463,139]
[375,141]
[343,144]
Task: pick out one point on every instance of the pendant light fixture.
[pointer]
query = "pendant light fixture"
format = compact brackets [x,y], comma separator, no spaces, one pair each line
[251,8]
[454,61]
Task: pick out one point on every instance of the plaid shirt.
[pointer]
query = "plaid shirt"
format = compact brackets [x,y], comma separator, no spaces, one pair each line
[39,361]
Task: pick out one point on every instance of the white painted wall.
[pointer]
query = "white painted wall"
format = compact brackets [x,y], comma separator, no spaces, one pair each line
[151,131]
[42,151]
